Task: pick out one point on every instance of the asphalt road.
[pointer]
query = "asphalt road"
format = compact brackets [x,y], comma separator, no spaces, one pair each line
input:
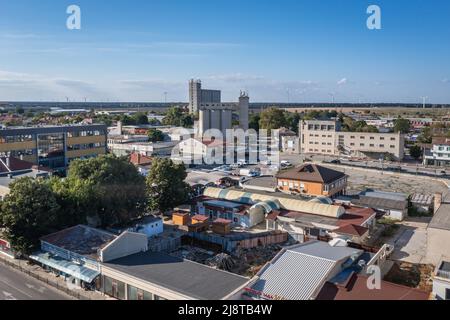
[15,285]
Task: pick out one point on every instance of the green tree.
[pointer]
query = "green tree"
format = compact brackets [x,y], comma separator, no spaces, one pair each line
[426,136]
[165,185]
[116,189]
[293,120]
[155,135]
[272,119]
[27,213]
[415,152]
[254,122]
[176,117]
[140,118]
[402,125]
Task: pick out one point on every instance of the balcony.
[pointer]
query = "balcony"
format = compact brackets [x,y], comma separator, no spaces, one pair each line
[444,270]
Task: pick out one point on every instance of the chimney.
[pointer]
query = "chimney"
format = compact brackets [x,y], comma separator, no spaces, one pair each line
[119,127]
[8,163]
[437,201]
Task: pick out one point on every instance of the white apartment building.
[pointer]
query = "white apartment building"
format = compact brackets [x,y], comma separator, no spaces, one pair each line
[439,155]
[325,137]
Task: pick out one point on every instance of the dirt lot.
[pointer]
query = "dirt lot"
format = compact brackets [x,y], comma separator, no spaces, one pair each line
[360,180]
[412,275]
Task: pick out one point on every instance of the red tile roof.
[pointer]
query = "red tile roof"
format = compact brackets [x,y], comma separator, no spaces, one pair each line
[222,221]
[140,160]
[352,229]
[200,217]
[17,165]
[356,289]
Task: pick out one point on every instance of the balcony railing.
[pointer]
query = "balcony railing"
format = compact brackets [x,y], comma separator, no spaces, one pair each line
[443,274]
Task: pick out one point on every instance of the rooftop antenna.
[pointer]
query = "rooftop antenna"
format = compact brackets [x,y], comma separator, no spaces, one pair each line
[67,99]
[165,97]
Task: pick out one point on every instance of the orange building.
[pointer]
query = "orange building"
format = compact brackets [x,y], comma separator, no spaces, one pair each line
[181,218]
[313,180]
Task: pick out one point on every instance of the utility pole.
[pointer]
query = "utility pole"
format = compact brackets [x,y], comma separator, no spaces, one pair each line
[424,99]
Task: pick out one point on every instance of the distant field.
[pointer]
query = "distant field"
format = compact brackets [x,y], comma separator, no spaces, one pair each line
[386,111]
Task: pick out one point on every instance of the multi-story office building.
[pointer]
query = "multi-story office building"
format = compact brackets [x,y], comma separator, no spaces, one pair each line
[53,146]
[326,137]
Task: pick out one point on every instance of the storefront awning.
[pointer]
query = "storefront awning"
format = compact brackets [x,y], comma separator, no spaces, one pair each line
[65,266]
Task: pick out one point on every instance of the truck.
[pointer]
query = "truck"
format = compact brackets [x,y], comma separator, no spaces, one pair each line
[250,172]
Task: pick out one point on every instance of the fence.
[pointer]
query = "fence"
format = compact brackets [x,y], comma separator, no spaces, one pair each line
[16,264]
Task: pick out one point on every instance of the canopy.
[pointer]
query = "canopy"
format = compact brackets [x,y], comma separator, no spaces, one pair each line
[65,266]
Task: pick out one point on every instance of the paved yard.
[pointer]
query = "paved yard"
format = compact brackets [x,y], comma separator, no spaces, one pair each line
[410,241]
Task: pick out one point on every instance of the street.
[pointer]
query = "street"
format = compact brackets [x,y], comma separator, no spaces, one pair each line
[15,285]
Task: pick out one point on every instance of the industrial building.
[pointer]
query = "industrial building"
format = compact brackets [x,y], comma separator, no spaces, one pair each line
[53,147]
[326,137]
[213,113]
[303,218]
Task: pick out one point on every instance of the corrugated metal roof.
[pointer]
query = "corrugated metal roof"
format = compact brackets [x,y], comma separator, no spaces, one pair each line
[298,273]
[290,204]
[293,276]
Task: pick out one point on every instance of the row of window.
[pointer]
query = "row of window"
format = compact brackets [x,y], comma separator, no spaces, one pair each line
[85,146]
[116,289]
[323,150]
[372,145]
[323,143]
[291,185]
[322,127]
[17,138]
[323,136]
[86,133]
[370,138]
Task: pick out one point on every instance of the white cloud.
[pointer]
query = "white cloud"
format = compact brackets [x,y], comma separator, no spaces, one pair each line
[343,81]
[445,80]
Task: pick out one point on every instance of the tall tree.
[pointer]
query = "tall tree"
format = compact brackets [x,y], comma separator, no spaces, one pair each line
[254,122]
[155,135]
[165,185]
[402,125]
[415,152]
[116,188]
[176,117]
[272,119]
[27,213]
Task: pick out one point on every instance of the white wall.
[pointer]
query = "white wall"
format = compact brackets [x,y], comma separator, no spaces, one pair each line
[126,244]
[439,288]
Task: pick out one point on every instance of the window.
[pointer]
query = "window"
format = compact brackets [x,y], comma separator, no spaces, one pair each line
[352,144]
[381,138]
[381,145]
[352,137]
[361,144]
[392,139]
[392,147]
[138,294]
[362,137]
[372,138]
[113,288]
[447,294]
[372,145]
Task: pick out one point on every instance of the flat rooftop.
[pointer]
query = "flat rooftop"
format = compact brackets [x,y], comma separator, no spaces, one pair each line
[80,239]
[441,219]
[183,276]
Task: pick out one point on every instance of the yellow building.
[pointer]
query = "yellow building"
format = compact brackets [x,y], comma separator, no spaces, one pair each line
[313,180]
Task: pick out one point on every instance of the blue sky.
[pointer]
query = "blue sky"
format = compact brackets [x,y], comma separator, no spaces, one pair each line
[301,50]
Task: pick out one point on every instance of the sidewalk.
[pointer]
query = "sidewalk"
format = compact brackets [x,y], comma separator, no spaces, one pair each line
[50,279]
